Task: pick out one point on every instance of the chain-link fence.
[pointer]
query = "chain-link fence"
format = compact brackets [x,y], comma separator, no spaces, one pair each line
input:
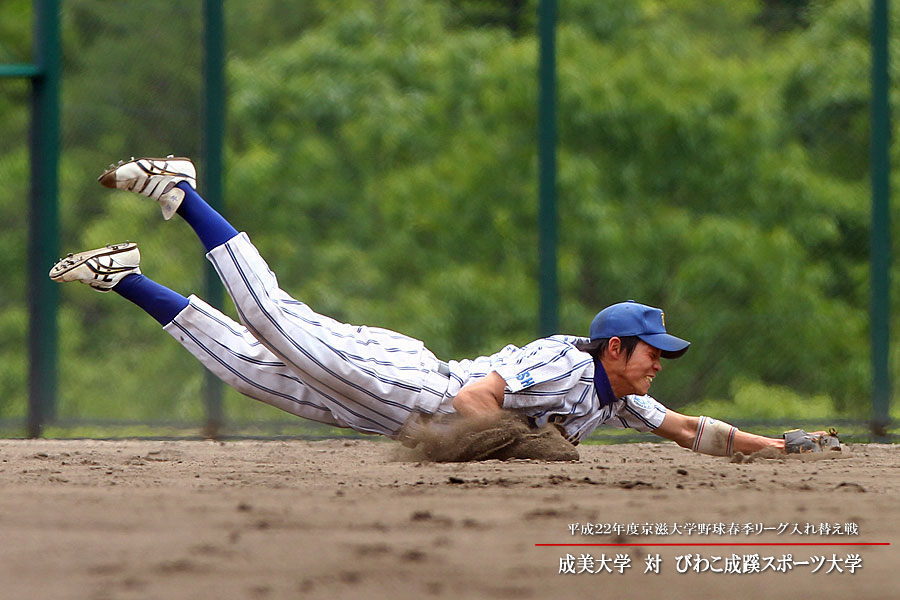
[14,312]
[725,154]
[713,160]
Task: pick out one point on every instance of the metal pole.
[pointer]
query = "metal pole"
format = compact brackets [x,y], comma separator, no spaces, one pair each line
[43,222]
[881,222]
[211,177]
[547,214]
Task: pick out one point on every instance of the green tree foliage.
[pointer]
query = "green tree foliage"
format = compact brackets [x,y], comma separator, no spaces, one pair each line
[713,161]
[15,48]
[15,31]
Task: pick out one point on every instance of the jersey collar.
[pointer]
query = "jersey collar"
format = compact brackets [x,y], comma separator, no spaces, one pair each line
[601,384]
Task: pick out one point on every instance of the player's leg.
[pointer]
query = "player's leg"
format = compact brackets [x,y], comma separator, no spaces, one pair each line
[224,347]
[231,352]
[380,377]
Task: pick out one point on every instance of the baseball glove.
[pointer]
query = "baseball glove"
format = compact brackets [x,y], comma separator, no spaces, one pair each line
[797,441]
[453,439]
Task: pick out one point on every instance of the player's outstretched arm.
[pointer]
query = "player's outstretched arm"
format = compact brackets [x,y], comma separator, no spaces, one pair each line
[708,436]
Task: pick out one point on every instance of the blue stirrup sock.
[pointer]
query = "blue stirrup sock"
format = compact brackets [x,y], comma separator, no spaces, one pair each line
[157,300]
[211,227]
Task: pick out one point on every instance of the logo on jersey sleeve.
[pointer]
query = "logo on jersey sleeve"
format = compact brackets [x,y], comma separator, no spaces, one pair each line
[525,379]
[641,402]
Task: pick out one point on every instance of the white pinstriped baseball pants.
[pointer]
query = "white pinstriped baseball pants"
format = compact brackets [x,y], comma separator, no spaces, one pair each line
[307,364]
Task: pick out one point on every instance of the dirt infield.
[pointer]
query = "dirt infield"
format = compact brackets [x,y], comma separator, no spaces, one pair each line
[342,519]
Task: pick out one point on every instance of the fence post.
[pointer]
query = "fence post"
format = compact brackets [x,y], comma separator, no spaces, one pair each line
[547,212]
[43,222]
[880,320]
[213,135]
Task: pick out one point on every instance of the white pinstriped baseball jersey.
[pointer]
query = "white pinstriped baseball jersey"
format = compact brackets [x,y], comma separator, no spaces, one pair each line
[551,380]
[372,379]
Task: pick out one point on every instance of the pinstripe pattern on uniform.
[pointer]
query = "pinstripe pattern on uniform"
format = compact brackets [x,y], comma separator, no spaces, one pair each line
[639,417]
[354,337]
[576,409]
[643,413]
[241,375]
[561,387]
[585,426]
[249,359]
[259,378]
[563,352]
[236,329]
[585,394]
[280,378]
[362,359]
[357,359]
[562,377]
[347,356]
[385,389]
[320,335]
[255,316]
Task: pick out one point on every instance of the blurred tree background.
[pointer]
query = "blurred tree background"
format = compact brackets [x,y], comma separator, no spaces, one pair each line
[713,160]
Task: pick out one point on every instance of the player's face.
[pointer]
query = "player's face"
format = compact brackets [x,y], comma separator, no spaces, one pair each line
[641,368]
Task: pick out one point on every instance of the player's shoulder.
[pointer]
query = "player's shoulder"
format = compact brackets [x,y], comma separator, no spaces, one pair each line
[554,345]
[557,344]
[572,341]
[558,349]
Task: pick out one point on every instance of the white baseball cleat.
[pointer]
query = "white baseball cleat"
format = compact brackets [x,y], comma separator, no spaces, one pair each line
[102,268]
[153,177]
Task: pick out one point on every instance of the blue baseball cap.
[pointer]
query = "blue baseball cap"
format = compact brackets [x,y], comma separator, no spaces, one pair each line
[646,322]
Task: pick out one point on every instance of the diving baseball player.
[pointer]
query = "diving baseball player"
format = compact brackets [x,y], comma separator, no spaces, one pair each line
[379,381]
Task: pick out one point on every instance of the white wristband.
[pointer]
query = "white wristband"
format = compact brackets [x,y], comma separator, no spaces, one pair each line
[714,437]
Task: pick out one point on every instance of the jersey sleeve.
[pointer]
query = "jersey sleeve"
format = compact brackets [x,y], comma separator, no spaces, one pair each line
[642,413]
[541,373]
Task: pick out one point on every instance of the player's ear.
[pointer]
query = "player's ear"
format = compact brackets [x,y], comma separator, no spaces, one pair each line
[614,348]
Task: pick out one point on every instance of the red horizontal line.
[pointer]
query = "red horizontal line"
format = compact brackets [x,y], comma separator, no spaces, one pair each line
[735,544]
